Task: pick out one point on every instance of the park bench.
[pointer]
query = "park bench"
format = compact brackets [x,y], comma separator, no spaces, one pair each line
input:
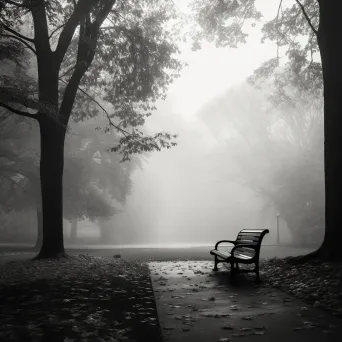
[246,250]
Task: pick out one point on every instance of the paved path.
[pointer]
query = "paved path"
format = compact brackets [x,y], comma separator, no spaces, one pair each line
[196,304]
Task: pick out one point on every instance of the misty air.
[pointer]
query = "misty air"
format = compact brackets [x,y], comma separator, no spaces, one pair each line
[170,170]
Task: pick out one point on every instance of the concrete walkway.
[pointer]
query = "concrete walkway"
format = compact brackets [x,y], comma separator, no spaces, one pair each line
[196,304]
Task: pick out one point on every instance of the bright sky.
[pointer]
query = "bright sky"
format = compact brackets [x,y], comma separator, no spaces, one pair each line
[212,70]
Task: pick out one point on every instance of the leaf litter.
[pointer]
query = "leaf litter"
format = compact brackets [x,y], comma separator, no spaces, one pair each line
[316,282]
[78,298]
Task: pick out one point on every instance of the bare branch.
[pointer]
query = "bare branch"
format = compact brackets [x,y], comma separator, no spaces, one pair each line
[307,17]
[67,71]
[21,40]
[7,28]
[19,112]
[13,181]
[55,30]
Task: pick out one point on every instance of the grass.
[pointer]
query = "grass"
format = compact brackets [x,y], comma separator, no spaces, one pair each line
[80,298]
[315,282]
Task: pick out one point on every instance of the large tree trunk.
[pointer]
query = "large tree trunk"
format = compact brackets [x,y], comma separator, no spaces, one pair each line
[329,40]
[39,241]
[51,174]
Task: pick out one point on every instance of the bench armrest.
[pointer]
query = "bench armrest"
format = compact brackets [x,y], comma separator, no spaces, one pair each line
[232,242]
[243,245]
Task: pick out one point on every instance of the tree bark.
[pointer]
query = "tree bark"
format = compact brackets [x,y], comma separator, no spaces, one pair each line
[329,41]
[73,231]
[51,174]
[39,241]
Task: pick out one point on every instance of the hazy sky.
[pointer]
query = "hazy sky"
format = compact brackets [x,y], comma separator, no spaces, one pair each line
[178,191]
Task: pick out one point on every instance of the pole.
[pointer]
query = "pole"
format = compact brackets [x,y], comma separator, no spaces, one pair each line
[278,240]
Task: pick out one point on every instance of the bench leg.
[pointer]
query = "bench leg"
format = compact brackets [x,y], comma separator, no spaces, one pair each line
[257,280]
[232,270]
[215,266]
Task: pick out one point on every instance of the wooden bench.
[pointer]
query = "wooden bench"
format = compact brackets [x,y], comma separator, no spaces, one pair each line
[246,250]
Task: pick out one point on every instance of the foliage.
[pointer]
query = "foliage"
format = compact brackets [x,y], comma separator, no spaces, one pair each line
[18,163]
[292,29]
[278,153]
[222,21]
[285,165]
[94,179]
[89,186]
[125,53]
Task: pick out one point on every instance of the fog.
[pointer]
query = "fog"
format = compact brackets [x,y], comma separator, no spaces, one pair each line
[197,193]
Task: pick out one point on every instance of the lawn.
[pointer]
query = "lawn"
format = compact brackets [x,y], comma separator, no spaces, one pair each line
[316,282]
[79,298]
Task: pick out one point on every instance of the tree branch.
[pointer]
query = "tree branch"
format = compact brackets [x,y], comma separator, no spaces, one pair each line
[19,112]
[41,31]
[67,71]
[307,17]
[55,30]
[279,8]
[7,28]
[21,40]
[111,123]
[17,4]
[13,181]
[81,8]
[104,13]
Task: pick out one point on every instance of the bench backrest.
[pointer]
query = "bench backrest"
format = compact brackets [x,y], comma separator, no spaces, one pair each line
[251,237]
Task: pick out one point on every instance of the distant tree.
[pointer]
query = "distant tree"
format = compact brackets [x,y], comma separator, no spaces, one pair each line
[319,22]
[120,51]
[94,179]
[275,151]
[18,166]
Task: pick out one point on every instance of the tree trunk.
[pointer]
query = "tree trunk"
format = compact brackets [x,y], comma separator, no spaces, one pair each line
[73,231]
[51,175]
[38,196]
[39,241]
[329,40]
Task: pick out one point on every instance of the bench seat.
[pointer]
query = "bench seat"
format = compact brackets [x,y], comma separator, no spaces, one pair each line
[226,255]
[246,250]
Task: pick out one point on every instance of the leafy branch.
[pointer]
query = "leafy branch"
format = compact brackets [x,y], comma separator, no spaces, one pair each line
[307,17]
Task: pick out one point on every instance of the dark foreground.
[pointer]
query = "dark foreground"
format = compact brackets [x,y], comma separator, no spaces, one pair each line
[87,298]
[77,299]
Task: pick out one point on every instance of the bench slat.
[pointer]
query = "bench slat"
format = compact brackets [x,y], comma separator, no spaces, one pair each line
[247,242]
[250,241]
[242,256]
[253,236]
[256,236]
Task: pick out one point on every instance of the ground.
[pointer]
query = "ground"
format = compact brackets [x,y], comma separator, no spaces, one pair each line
[87,298]
[81,298]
